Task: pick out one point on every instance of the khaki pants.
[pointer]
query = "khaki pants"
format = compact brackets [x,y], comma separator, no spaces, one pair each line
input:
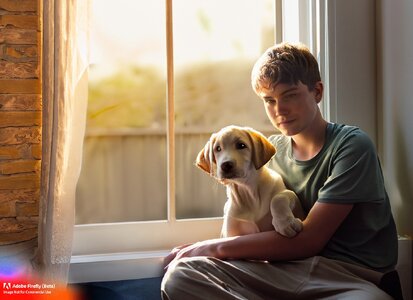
[313,278]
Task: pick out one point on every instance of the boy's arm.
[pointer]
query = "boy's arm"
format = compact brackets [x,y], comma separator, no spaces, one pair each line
[320,224]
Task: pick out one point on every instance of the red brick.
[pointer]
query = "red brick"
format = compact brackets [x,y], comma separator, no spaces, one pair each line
[20,135]
[19,166]
[20,86]
[21,53]
[20,118]
[8,209]
[18,70]
[20,102]
[26,209]
[36,151]
[11,152]
[19,36]
[17,237]
[23,181]
[23,195]
[20,21]
[10,225]
[19,5]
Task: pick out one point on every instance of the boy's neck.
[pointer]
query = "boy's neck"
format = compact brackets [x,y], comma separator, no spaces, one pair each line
[307,145]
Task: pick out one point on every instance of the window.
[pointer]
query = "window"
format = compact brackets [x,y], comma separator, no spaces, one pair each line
[156,94]
[127,155]
[124,159]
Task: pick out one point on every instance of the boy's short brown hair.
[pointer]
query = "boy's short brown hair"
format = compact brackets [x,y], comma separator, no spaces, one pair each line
[285,63]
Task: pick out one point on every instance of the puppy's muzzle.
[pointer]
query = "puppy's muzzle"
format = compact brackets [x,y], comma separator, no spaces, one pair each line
[228,169]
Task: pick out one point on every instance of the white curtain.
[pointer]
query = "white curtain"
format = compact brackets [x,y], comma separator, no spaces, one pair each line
[65,61]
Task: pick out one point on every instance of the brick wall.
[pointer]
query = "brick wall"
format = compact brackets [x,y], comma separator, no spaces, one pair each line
[20,119]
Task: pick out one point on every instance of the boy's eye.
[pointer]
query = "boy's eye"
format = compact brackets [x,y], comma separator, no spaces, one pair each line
[290,96]
[269,101]
[241,145]
[218,148]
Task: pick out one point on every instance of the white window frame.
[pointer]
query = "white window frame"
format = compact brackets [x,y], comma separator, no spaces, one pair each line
[116,251]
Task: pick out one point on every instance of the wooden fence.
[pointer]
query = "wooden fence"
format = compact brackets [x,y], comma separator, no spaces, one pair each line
[124,178]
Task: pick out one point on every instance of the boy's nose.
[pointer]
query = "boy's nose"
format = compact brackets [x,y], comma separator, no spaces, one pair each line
[280,109]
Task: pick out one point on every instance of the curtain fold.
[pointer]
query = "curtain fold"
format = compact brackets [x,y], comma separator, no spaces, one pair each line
[65,62]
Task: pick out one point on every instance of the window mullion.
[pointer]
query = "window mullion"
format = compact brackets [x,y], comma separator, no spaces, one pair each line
[327,66]
[278,21]
[170,113]
[314,27]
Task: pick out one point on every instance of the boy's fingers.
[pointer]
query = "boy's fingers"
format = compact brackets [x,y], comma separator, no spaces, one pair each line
[172,255]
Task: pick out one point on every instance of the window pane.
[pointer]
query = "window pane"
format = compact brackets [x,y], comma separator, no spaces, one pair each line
[216,43]
[291,21]
[124,164]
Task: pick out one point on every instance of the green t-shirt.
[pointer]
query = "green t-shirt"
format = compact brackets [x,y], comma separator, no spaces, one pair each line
[346,170]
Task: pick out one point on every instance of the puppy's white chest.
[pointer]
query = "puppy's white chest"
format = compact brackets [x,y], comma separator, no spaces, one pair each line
[247,205]
[252,202]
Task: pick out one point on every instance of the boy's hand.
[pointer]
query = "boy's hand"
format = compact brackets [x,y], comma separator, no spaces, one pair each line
[203,248]
[171,256]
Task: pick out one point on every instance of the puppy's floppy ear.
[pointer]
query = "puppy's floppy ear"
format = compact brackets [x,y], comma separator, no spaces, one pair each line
[206,158]
[262,149]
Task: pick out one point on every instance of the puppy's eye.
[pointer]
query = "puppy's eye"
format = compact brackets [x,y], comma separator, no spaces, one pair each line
[218,148]
[241,146]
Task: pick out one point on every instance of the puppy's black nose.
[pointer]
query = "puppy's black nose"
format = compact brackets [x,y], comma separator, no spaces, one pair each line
[227,166]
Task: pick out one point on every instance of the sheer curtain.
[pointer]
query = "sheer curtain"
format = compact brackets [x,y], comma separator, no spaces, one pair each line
[65,44]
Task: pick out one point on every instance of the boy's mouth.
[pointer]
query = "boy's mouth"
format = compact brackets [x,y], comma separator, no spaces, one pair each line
[284,122]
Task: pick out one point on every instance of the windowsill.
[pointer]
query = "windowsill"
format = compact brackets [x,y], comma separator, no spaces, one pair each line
[116,266]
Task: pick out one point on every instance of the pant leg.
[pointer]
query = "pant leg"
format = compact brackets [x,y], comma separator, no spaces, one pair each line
[312,278]
[195,278]
[211,278]
[331,279]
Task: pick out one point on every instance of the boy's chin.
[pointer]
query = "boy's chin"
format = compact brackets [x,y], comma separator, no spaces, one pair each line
[287,132]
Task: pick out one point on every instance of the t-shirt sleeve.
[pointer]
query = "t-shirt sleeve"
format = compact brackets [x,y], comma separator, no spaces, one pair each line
[355,172]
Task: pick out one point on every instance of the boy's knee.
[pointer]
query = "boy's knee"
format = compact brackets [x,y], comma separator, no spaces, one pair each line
[178,277]
[170,280]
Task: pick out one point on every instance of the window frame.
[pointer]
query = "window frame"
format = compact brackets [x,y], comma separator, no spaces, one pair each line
[98,247]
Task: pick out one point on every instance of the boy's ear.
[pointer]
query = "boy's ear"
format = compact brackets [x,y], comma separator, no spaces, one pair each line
[262,149]
[319,91]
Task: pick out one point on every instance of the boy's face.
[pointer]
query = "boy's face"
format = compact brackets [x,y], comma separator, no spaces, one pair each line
[291,109]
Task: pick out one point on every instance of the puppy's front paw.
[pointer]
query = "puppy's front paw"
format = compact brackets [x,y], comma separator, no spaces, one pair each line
[288,227]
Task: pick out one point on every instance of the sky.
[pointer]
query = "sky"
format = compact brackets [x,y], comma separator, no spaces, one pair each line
[134,31]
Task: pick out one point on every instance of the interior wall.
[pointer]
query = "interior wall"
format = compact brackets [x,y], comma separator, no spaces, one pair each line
[352,64]
[395,78]
[370,72]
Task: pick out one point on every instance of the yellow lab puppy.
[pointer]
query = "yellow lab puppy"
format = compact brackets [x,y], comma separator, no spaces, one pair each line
[257,197]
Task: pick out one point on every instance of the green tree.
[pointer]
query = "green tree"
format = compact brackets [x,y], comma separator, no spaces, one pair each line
[132,97]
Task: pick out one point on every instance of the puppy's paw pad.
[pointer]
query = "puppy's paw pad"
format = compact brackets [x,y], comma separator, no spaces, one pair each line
[288,228]
[297,224]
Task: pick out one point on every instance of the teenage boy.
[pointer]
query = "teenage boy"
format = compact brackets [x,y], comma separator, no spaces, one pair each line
[349,238]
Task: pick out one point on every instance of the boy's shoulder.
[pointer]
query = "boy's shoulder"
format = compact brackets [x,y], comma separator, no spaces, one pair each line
[350,138]
[344,132]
